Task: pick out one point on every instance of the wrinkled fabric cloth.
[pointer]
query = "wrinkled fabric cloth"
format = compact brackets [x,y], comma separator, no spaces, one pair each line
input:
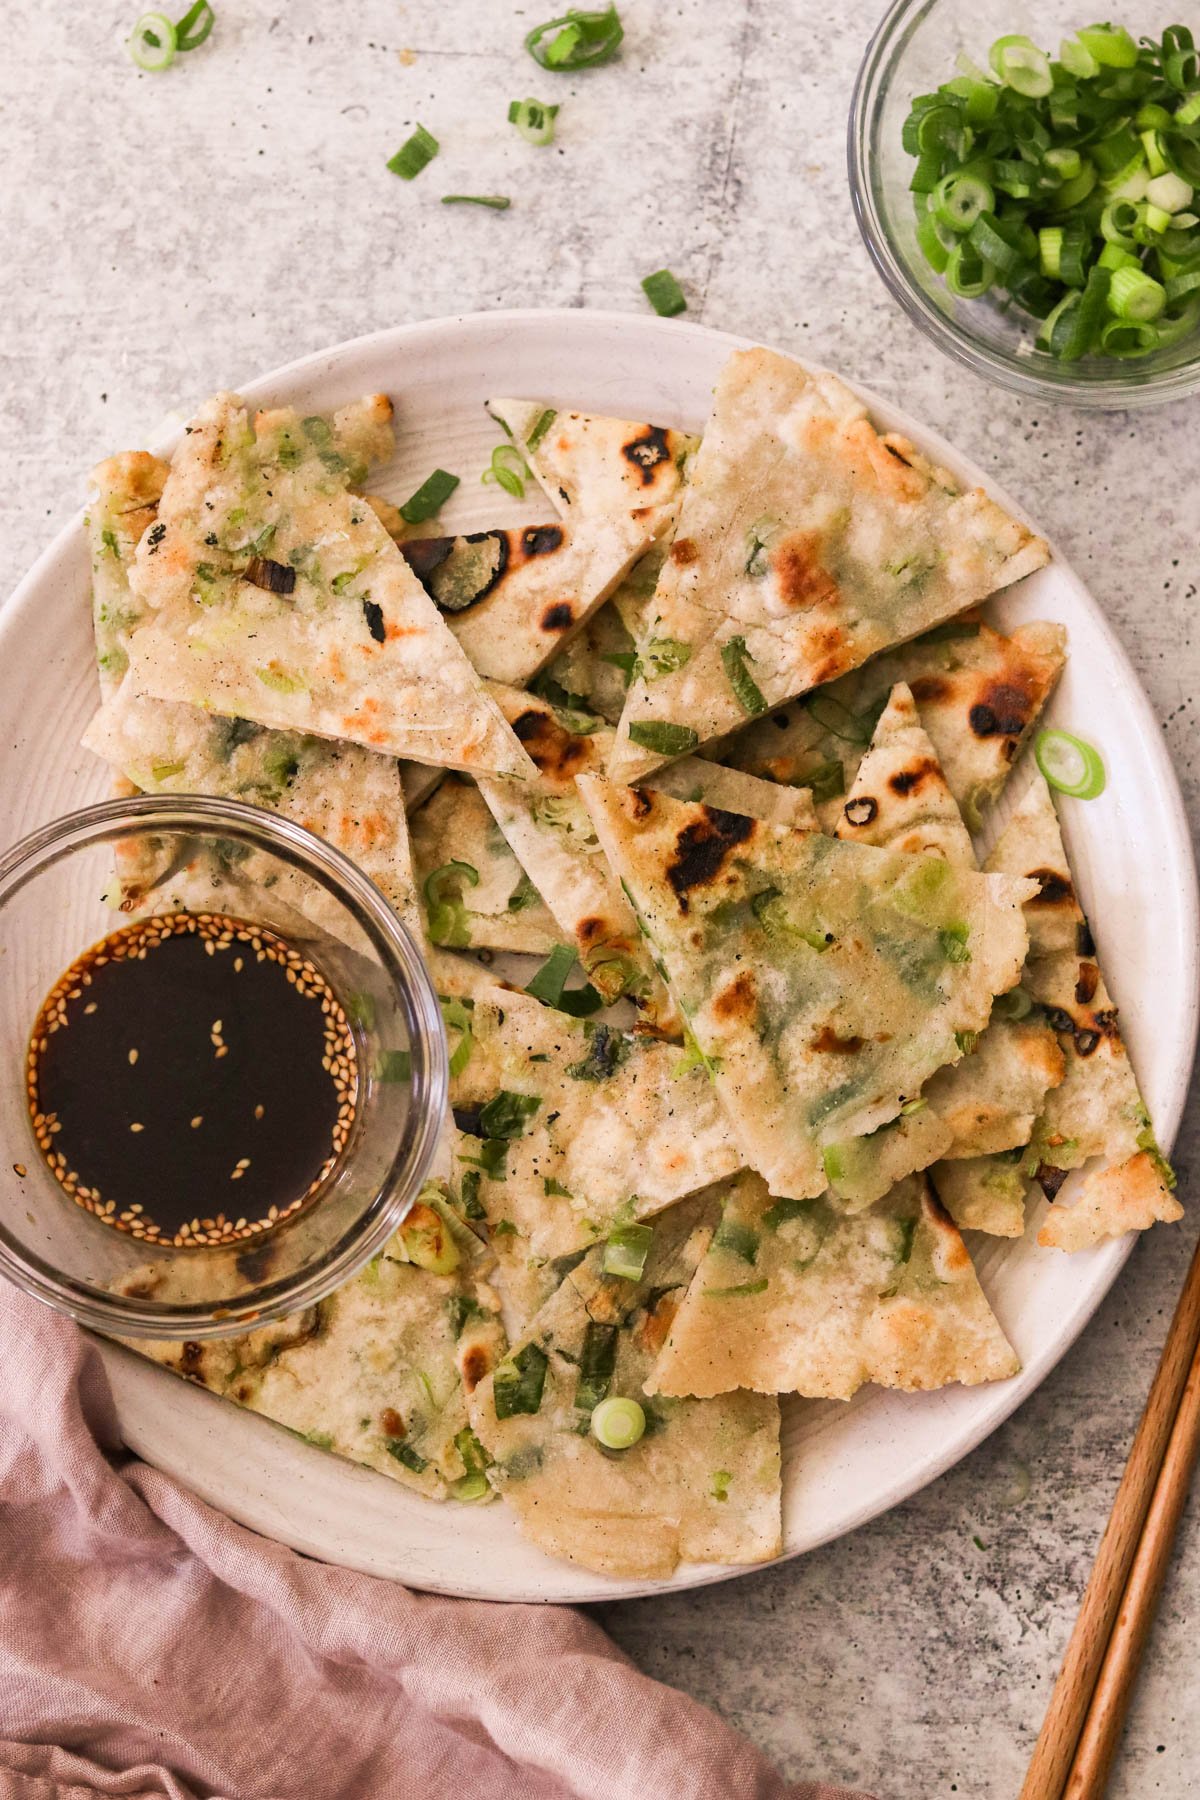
[150,1648]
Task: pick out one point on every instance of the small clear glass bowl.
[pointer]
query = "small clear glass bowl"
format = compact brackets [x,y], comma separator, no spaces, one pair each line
[57,897]
[913,52]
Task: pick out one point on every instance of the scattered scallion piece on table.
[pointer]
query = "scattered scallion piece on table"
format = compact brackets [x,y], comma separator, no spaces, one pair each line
[195,26]
[664,293]
[429,498]
[534,120]
[1068,185]
[414,154]
[153,43]
[1070,764]
[577,40]
[497,202]
[618,1423]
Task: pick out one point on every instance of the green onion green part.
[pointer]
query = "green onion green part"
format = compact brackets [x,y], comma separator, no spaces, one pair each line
[195,26]
[497,202]
[577,40]
[626,1251]
[429,498]
[1070,764]
[534,120]
[664,293]
[415,154]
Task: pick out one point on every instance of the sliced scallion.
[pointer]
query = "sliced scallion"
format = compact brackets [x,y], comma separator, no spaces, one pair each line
[664,293]
[508,469]
[414,154]
[429,498]
[576,40]
[153,43]
[496,202]
[618,1423]
[195,26]
[534,120]
[1070,764]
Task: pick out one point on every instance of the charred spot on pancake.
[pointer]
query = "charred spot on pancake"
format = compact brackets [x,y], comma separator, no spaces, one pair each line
[683,552]
[1087,981]
[829,1041]
[475,1364]
[780,720]
[558,754]
[558,616]
[932,690]
[424,555]
[1086,1042]
[1051,1179]
[800,576]
[541,540]
[373,614]
[590,931]
[1054,889]
[640,804]
[191,1358]
[647,452]
[739,1000]
[702,847]
[1004,710]
[1085,943]
[390,1423]
[906,781]
[861,811]
[1106,1022]
[1060,1019]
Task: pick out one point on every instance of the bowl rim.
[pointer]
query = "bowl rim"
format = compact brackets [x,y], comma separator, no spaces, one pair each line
[1121,389]
[398,1187]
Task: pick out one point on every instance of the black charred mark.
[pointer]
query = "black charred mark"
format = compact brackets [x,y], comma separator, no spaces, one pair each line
[906,781]
[503,556]
[558,617]
[558,753]
[1054,889]
[1087,982]
[1051,1179]
[641,804]
[1060,1019]
[155,537]
[1106,1022]
[1085,943]
[702,848]
[1086,1042]
[861,811]
[591,931]
[191,1358]
[1003,713]
[424,555]
[647,452]
[373,614]
[541,540]
[275,577]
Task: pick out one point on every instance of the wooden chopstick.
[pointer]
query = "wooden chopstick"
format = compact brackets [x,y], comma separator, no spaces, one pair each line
[1062,1733]
[1102,1728]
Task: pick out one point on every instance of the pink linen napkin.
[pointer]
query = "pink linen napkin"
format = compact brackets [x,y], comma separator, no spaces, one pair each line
[152,1649]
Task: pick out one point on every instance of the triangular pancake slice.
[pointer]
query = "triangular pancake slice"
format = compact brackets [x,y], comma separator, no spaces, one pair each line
[513,596]
[276,595]
[900,798]
[703,1482]
[824,982]
[979,694]
[474,893]
[1098,1110]
[595,467]
[806,543]
[607,1126]
[381,1370]
[347,795]
[792,1297]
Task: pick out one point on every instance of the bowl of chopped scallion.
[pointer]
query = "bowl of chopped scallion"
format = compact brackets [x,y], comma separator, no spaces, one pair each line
[1028,185]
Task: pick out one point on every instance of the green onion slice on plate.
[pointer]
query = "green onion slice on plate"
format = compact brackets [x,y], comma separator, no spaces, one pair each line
[1071,765]
[429,498]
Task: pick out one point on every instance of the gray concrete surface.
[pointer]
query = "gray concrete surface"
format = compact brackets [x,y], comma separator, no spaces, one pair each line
[164,235]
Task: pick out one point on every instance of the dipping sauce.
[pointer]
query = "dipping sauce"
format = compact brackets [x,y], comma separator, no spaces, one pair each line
[192,1080]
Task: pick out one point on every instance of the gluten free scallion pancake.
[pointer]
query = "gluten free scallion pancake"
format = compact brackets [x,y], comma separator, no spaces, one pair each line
[793,1297]
[276,595]
[703,1482]
[824,982]
[475,894]
[806,543]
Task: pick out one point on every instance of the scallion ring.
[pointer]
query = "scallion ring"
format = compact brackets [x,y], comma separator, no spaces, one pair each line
[509,469]
[195,26]
[534,120]
[1022,66]
[618,1423]
[960,198]
[1071,765]
[1136,295]
[153,43]
[577,40]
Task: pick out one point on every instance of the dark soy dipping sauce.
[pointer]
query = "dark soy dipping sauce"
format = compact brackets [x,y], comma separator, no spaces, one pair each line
[192,1079]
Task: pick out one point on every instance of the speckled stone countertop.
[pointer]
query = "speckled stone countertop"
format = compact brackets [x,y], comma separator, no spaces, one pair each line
[166,235]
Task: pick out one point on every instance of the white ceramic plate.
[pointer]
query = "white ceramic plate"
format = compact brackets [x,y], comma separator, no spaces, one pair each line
[1130,849]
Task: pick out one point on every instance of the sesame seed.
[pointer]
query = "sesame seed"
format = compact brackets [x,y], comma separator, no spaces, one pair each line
[133,1056]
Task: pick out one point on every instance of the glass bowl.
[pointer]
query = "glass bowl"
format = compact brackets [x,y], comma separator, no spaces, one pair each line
[913,52]
[58,897]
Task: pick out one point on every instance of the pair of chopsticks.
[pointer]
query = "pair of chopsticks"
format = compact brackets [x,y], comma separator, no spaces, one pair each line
[1082,1727]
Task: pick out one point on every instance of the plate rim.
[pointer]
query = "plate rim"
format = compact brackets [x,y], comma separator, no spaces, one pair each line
[126,1371]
